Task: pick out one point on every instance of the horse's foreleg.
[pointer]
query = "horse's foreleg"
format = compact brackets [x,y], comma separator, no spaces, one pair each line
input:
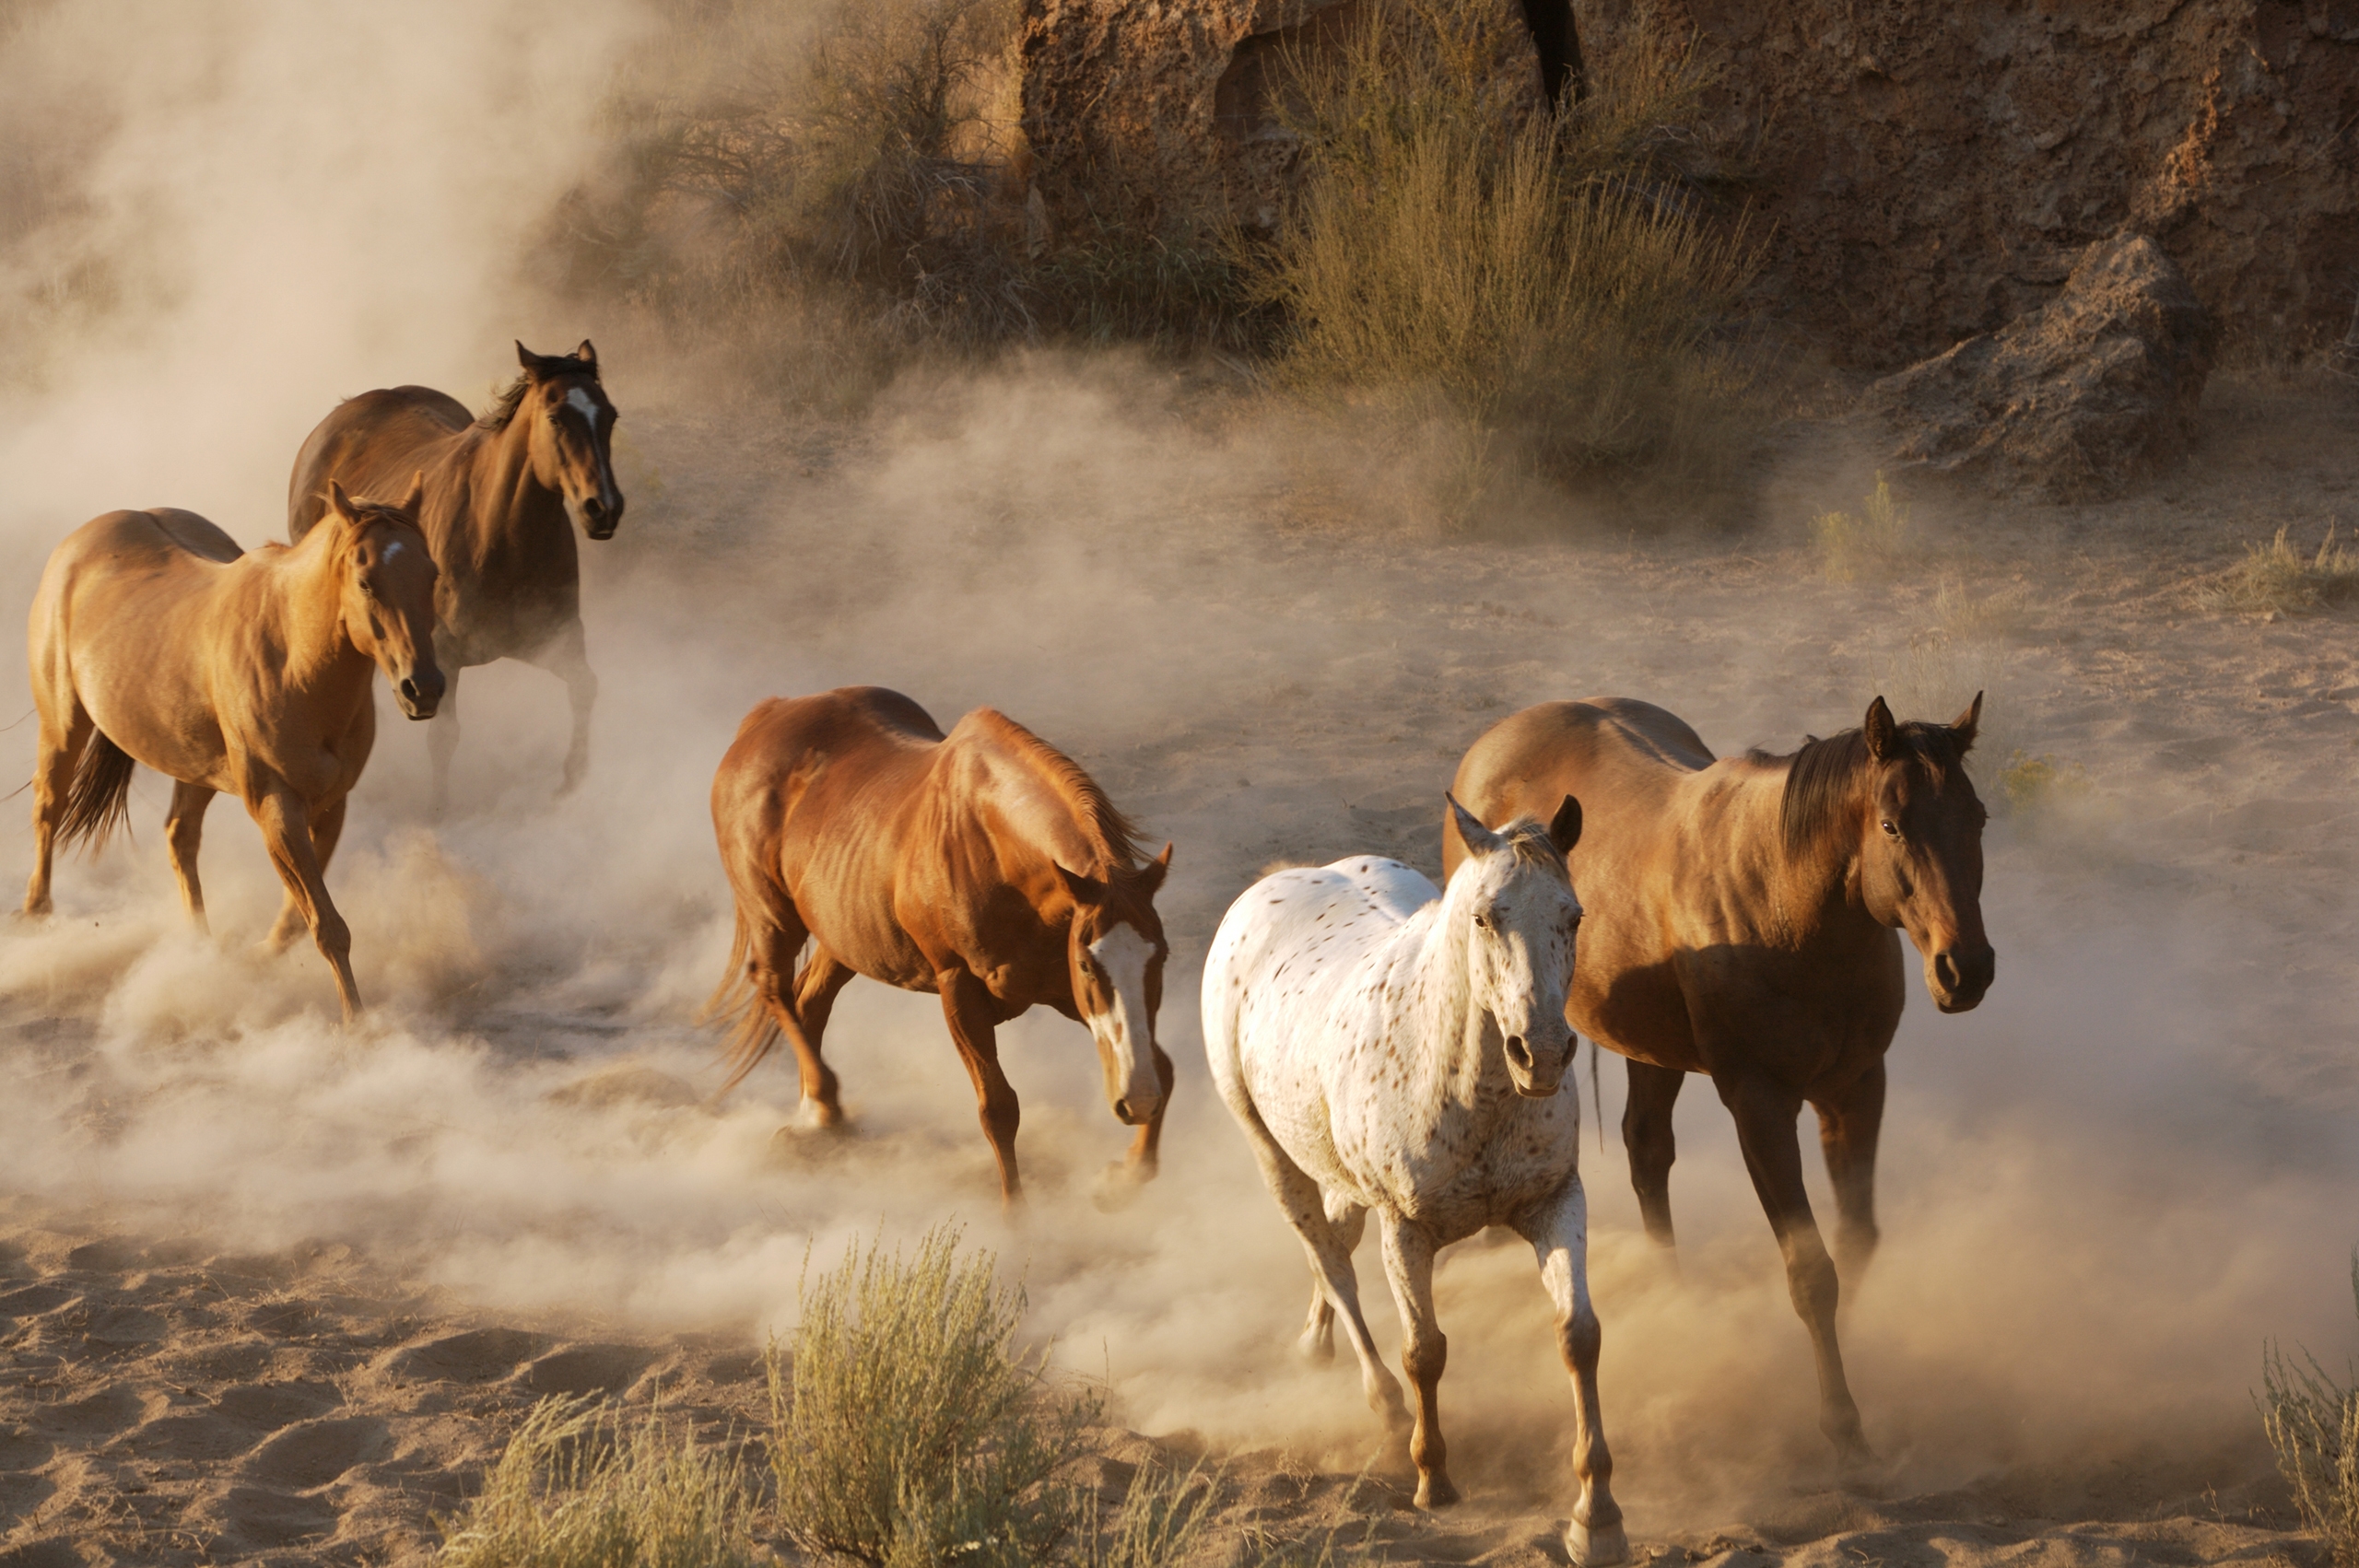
[61,753]
[1765,1113]
[1647,1133]
[1559,1238]
[1424,1350]
[568,661]
[442,732]
[1849,1121]
[967,1004]
[1318,1342]
[285,827]
[327,828]
[185,833]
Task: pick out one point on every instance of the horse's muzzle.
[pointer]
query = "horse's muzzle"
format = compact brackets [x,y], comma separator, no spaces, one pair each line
[1525,1073]
[420,694]
[1958,978]
[599,517]
[1138,1110]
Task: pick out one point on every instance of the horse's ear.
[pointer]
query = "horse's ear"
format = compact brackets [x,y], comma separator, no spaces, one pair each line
[1883,735]
[1478,839]
[525,357]
[416,497]
[1564,827]
[1965,724]
[338,502]
[1150,874]
[587,354]
[1085,889]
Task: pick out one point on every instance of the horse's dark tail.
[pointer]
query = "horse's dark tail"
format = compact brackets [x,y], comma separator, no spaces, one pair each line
[737,1001]
[98,800]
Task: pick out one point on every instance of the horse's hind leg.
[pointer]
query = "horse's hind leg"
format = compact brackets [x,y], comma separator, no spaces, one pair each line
[61,746]
[1559,1238]
[185,833]
[1647,1133]
[1318,1342]
[1425,1352]
[1849,1121]
[824,976]
[287,830]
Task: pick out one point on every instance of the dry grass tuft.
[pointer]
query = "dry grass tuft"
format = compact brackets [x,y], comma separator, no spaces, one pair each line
[575,1489]
[1870,543]
[907,1431]
[2313,1423]
[2277,579]
[1164,1520]
[1460,251]
[2030,785]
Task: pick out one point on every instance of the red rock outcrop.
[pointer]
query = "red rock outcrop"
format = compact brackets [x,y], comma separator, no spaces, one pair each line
[1932,169]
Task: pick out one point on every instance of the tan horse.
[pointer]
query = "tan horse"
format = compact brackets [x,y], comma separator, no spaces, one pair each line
[502,493]
[984,866]
[1741,917]
[155,639]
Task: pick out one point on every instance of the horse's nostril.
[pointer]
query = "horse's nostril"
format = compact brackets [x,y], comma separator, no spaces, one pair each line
[1518,1052]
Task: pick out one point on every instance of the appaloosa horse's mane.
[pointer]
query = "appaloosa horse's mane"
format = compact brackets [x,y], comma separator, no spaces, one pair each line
[1824,776]
[1117,834]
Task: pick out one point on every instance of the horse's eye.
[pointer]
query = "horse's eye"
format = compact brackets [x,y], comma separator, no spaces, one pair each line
[1890,829]
[1482,921]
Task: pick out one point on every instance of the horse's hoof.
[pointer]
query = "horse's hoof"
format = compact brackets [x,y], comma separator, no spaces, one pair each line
[1316,1348]
[1435,1492]
[1117,1188]
[1861,1470]
[814,1116]
[1596,1547]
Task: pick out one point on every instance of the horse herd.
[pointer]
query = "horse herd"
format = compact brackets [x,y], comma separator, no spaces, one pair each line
[1387,1046]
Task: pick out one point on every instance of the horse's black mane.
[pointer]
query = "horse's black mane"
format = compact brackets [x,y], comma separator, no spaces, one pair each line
[1823,778]
[503,407]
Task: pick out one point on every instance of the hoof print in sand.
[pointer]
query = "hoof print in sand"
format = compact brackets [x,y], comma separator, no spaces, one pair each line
[480,1355]
[251,1518]
[314,1453]
[589,1369]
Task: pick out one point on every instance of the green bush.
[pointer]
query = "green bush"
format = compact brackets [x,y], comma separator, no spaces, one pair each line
[905,1429]
[575,1489]
[2276,578]
[1459,249]
[2313,1424]
[1865,544]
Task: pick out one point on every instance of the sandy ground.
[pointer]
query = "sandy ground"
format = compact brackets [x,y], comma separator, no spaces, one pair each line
[268,1292]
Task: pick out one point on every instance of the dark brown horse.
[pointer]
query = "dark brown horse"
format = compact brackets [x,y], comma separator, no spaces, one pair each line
[1742,923]
[155,639]
[984,866]
[503,493]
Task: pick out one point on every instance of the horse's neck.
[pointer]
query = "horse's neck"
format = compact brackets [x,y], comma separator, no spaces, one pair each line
[1815,892]
[503,493]
[1449,1065]
[304,589]
[1036,813]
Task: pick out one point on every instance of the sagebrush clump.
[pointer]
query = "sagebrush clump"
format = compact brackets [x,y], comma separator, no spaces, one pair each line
[577,1487]
[1463,251]
[2313,1424]
[1867,542]
[2277,579]
[906,1431]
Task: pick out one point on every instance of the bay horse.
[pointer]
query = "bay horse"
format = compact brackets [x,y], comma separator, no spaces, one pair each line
[983,865]
[154,639]
[1391,1046]
[503,495]
[1746,926]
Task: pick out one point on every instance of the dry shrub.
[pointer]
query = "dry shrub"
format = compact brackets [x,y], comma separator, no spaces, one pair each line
[574,1489]
[2029,786]
[1868,543]
[1461,251]
[2313,1423]
[2277,579]
[1163,1520]
[905,1429]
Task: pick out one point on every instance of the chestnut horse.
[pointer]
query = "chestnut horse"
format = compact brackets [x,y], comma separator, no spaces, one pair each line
[1742,924]
[983,865]
[155,639]
[500,492]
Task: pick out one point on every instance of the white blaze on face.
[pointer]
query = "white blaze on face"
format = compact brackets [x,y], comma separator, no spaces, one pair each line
[392,549]
[581,402]
[1126,1032]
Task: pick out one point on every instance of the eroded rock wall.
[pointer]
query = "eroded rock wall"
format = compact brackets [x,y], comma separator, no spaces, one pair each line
[1932,169]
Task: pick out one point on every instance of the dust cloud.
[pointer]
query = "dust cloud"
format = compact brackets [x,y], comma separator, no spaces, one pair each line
[2101,1190]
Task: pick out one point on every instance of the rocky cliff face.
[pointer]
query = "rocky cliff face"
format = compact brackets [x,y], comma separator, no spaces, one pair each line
[1932,169]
